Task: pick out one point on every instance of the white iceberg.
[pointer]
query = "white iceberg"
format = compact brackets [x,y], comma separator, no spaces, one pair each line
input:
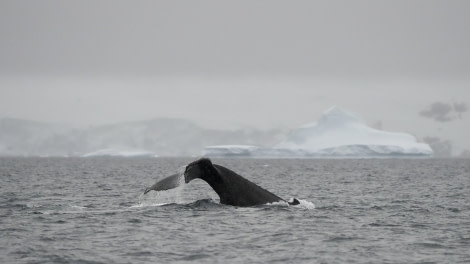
[340,133]
[337,133]
[110,152]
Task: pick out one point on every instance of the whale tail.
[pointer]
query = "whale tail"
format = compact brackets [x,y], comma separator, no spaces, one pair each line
[293,201]
[167,183]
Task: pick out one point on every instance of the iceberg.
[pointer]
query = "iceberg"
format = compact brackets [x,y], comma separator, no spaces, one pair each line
[110,152]
[341,133]
[337,133]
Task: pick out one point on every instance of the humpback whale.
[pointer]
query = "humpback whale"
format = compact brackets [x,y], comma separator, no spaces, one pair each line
[232,188]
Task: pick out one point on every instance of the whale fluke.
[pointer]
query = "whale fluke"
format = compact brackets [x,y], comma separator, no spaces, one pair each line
[167,183]
[232,188]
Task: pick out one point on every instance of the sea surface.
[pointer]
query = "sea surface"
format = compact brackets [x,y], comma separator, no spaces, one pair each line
[92,210]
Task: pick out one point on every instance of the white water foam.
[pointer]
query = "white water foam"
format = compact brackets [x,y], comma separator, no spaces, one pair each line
[306,204]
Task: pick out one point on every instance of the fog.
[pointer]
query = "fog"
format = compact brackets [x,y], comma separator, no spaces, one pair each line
[236,64]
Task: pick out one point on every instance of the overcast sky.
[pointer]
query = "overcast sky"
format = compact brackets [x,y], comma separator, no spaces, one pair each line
[230,64]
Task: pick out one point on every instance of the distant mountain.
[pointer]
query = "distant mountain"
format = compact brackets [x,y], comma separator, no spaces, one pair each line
[162,137]
[29,138]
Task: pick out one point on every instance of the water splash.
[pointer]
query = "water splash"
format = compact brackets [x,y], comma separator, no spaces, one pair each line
[304,204]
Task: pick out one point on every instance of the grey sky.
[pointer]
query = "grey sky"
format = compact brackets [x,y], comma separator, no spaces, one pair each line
[230,64]
[236,37]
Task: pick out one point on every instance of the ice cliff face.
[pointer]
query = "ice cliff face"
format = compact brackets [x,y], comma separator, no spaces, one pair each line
[337,133]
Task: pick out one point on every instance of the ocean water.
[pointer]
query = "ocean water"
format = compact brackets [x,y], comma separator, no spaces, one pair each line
[91,210]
